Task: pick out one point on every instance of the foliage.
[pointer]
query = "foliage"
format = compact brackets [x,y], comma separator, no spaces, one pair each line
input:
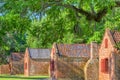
[117,45]
[12,32]
[96,37]
[39,23]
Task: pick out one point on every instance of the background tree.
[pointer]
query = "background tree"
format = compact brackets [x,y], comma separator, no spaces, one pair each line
[12,34]
[39,23]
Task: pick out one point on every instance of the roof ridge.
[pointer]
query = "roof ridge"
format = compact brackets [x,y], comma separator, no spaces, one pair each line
[112,33]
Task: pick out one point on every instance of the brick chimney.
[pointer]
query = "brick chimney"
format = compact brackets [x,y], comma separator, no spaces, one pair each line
[91,68]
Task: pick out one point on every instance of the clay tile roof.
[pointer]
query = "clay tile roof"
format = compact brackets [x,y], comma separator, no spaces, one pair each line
[116,36]
[74,50]
[17,56]
[39,53]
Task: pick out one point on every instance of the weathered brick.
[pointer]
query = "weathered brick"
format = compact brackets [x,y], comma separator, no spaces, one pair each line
[4,69]
[110,53]
[35,66]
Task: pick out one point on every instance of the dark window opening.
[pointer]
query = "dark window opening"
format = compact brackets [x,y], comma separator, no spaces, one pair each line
[52,65]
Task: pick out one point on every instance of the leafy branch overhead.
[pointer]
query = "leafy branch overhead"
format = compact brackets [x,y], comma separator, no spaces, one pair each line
[40,23]
[90,15]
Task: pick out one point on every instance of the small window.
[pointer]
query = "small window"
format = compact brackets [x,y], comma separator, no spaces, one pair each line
[106,43]
[25,66]
[104,65]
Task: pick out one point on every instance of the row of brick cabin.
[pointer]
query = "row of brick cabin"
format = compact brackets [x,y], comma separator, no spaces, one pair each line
[68,60]
[32,62]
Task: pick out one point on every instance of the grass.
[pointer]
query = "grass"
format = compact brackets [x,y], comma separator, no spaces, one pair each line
[21,77]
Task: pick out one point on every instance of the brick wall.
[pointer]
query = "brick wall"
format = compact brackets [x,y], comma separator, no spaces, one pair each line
[4,69]
[26,63]
[35,66]
[105,53]
[70,68]
[17,67]
[92,70]
[39,67]
[117,66]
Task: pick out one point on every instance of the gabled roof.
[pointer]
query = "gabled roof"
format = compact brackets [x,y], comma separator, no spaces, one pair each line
[74,50]
[17,56]
[116,36]
[39,53]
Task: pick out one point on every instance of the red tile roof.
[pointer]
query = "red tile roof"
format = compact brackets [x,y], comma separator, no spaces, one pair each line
[74,50]
[116,36]
[17,56]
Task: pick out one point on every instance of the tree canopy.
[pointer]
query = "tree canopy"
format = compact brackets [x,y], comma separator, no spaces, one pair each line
[40,23]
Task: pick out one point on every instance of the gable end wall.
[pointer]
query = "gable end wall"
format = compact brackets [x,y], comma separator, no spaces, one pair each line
[105,53]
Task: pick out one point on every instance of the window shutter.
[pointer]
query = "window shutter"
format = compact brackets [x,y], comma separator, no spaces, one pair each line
[106,43]
[104,65]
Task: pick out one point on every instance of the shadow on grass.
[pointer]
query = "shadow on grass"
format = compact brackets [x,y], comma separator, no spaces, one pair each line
[18,77]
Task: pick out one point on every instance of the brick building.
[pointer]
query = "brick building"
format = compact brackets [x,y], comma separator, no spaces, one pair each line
[68,61]
[5,69]
[16,63]
[109,56]
[36,61]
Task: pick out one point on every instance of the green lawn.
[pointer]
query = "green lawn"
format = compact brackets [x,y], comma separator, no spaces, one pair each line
[21,77]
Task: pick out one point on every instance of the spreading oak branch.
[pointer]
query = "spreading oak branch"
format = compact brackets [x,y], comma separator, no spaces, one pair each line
[89,15]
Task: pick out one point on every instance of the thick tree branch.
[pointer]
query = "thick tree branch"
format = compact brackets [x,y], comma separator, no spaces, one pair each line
[78,10]
[104,11]
[89,15]
[100,14]
[117,3]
